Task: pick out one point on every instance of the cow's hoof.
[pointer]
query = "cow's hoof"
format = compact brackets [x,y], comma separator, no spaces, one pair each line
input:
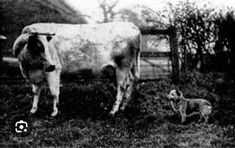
[54,113]
[33,110]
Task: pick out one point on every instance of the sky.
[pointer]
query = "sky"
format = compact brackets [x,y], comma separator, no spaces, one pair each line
[90,7]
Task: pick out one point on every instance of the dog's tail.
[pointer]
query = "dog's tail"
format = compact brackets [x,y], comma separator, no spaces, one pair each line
[209,107]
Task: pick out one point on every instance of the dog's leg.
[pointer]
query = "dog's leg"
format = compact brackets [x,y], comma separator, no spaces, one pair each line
[200,118]
[182,110]
[206,118]
[173,107]
[183,116]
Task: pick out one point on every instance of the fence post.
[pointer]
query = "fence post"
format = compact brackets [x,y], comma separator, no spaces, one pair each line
[174,54]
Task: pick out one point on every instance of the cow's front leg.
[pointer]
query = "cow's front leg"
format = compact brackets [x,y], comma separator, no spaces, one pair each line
[36,93]
[121,76]
[53,79]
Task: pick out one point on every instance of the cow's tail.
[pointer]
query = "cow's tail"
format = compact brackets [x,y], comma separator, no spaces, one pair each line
[136,65]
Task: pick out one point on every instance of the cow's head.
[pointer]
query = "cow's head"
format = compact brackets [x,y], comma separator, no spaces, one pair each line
[33,54]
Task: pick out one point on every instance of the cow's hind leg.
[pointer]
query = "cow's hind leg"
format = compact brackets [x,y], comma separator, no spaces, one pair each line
[121,87]
[36,93]
[129,83]
[54,86]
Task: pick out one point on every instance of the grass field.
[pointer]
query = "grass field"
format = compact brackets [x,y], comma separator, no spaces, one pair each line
[148,120]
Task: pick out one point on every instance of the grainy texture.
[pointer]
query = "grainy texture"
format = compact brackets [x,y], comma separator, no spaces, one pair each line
[47,50]
[147,122]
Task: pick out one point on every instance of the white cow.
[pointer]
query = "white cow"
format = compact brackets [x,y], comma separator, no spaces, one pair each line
[45,50]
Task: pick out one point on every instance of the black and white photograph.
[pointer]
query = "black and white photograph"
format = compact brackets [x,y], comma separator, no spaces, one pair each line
[117,73]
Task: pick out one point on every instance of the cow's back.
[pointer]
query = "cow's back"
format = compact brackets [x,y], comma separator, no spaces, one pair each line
[87,45]
[97,32]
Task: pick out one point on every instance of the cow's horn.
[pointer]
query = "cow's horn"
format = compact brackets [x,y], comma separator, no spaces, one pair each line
[19,44]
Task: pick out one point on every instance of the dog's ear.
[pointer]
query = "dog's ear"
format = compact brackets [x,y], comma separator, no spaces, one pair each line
[179,93]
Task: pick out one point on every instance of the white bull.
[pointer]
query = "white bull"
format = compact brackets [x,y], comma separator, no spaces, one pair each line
[45,50]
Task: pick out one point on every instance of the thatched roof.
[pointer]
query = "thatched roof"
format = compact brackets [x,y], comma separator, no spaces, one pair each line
[65,10]
[16,14]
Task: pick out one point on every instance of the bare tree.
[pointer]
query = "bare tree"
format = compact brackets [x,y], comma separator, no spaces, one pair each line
[107,7]
[197,32]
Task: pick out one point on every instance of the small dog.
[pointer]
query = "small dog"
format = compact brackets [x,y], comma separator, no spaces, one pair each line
[193,106]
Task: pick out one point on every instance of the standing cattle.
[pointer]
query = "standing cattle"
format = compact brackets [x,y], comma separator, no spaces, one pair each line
[46,50]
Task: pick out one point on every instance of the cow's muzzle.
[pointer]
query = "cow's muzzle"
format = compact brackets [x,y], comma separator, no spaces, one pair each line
[50,68]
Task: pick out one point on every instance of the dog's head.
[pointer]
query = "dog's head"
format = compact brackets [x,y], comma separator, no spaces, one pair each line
[175,95]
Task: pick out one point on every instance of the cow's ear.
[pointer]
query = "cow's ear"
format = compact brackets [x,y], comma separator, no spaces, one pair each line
[49,37]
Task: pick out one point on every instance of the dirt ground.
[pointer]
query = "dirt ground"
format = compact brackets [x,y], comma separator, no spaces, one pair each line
[148,120]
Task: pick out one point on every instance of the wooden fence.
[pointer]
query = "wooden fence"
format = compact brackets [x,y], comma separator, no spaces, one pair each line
[154,64]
